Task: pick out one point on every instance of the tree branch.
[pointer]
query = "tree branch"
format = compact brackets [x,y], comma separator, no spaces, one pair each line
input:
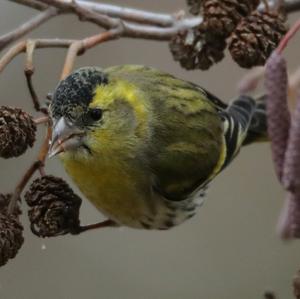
[80,46]
[142,16]
[129,29]
[27,27]
[155,26]
[31,3]
[291,6]
[129,14]
[39,43]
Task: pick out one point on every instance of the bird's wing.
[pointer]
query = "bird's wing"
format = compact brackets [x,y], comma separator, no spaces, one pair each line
[187,140]
[194,134]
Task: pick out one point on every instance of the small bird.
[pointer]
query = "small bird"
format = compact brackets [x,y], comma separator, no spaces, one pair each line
[142,145]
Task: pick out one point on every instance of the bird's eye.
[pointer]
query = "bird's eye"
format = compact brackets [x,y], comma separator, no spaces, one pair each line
[96,114]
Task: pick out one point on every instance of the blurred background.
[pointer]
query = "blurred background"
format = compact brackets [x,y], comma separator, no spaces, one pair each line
[229,250]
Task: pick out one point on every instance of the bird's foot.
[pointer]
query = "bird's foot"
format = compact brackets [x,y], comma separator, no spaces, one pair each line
[102,224]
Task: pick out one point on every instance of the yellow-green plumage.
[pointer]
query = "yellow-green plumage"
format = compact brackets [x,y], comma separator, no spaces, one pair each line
[158,140]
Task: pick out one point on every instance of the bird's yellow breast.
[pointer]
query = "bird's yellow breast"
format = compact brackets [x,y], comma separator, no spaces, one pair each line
[110,186]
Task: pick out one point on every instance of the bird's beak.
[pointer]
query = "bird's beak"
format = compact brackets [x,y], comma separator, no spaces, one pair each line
[65,137]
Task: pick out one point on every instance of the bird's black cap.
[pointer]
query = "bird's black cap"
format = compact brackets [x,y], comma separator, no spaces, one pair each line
[77,89]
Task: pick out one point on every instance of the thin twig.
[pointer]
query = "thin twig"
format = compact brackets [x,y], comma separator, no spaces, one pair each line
[131,14]
[39,43]
[38,164]
[22,184]
[124,13]
[291,6]
[102,224]
[11,54]
[284,42]
[29,70]
[147,17]
[154,18]
[45,146]
[31,3]
[34,97]
[88,15]
[73,51]
[41,120]
[27,27]
[80,46]
[250,81]
[105,16]
[129,29]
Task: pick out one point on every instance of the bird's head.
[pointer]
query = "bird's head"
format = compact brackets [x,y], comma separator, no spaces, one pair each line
[93,112]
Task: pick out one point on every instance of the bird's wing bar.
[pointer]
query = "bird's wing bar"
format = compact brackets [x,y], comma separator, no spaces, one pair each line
[237,119]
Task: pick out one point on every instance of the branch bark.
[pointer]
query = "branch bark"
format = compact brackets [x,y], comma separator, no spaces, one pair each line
[27,27]
[142,16]
[136,23]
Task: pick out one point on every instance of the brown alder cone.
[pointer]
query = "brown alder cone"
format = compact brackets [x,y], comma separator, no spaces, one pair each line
[269,295]
[296,285]
[54,207]
[11,231]
[256,37]
[222,16]
[4,202]
[17,132]
[193,52]
[11,237]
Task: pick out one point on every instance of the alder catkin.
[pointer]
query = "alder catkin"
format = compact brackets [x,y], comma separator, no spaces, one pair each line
[276,83]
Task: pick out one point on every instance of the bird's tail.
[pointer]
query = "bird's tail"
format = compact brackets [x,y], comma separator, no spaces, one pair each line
[258,130]
[245,122]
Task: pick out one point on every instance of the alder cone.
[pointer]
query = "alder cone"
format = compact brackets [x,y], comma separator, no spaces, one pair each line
[54,207]
[11,237]
[256,37]
[222,16]
[17,132]
[296,285]
[193,52]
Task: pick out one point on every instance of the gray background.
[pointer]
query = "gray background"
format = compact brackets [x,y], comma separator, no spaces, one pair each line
[229,250]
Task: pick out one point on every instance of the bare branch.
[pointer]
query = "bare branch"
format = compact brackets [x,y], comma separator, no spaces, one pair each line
[102,20]
[125,13]
[129,29]
[130,14]
[31,3]
[29,70]
[41,120]
[40,43]
[11,54]
[160,19]
[80,46]
[291,6]
[146,17]
[27,27]
[22,184]
[163,26]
